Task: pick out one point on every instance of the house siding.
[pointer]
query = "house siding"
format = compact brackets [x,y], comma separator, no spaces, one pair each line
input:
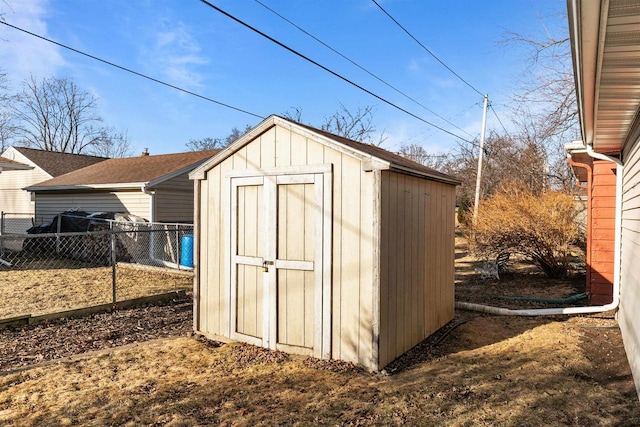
[51,203]
[174,200]
[630,254]
[601,241]
[13,198]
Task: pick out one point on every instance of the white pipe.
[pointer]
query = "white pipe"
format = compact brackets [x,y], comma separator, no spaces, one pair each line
[616,264]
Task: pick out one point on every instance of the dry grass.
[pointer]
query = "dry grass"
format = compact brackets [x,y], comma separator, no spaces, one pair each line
[489,371]
[52,290]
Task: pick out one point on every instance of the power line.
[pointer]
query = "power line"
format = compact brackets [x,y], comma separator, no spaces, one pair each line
[132,71]
[499,121]
[306,58]
[429,133]
[360,66]
[426,49]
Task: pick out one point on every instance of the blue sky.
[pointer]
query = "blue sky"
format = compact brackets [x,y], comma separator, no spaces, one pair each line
[187,44]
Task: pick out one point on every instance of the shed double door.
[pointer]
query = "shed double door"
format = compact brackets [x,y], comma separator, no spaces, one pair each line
[278,293]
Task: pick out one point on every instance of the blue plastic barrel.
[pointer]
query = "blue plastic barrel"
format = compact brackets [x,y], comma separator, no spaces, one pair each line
[186,252]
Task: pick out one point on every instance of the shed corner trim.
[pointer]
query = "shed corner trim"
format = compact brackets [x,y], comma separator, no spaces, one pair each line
[370,165]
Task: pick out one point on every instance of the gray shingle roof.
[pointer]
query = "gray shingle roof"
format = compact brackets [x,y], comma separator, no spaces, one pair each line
[141,169]
[55,163]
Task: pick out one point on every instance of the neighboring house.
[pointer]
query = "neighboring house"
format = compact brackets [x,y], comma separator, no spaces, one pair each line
[22,167]
[156,188]
[605,38]
[314,244]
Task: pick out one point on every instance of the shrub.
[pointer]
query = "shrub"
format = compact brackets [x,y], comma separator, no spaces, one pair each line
[542,227]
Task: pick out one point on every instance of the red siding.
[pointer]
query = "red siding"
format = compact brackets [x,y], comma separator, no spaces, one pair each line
[600,242]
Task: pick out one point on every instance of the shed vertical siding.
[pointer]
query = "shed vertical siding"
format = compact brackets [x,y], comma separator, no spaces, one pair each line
[630,254]
[416,261]
[134,202]
[352,257]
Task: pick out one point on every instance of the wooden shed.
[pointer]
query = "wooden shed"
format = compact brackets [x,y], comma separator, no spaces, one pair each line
[314,244]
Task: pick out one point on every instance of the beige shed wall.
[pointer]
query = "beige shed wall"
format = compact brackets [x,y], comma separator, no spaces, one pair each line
[416,261]
[352,257]
[134,202]
[629,256]
[174,200]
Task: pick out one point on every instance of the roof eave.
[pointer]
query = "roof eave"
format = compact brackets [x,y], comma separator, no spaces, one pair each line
[585,34]
[14,166]
[120,186]
[273,120]
[176,173]
[421,174]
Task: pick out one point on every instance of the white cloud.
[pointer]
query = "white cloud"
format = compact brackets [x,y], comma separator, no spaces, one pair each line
[22,54]
[176,54]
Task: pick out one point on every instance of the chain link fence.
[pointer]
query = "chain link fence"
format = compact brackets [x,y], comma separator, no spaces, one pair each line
[110,261]
[17,223]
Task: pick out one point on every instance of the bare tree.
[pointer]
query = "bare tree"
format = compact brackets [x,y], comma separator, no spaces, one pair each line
[294,114]
[7,128]
[417,153]
[209,143]
[546,108]
[357,125]
[112,144]
[54,114]
[508,159]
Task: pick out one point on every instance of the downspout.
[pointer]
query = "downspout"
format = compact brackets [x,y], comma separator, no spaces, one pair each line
[616,266]
[152,220]
[152,202]
[587,187]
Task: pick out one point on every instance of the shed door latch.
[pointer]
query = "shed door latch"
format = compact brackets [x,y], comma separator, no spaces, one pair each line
[266,264]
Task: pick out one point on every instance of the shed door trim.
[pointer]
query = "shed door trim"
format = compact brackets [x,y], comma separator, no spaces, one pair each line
[321,178]
[237,260]
[282,170]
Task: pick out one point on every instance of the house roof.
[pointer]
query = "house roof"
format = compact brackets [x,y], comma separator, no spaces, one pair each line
[55,163]
[127,172]
[606,62]
[378,157]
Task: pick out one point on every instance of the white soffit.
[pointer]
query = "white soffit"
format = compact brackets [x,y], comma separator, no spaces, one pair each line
[618,82]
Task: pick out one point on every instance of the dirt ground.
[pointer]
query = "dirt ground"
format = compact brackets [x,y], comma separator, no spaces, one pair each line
[52,290]
[478,370]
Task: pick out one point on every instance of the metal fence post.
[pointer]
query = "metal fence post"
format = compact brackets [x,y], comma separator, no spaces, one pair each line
[1,233]
[59,227]
[112,234]
[177,246]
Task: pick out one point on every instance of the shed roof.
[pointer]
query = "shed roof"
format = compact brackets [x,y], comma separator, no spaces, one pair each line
[55,163]
[379,157]
[127,172]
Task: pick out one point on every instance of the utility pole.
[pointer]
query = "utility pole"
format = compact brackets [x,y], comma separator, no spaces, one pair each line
[484,127]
